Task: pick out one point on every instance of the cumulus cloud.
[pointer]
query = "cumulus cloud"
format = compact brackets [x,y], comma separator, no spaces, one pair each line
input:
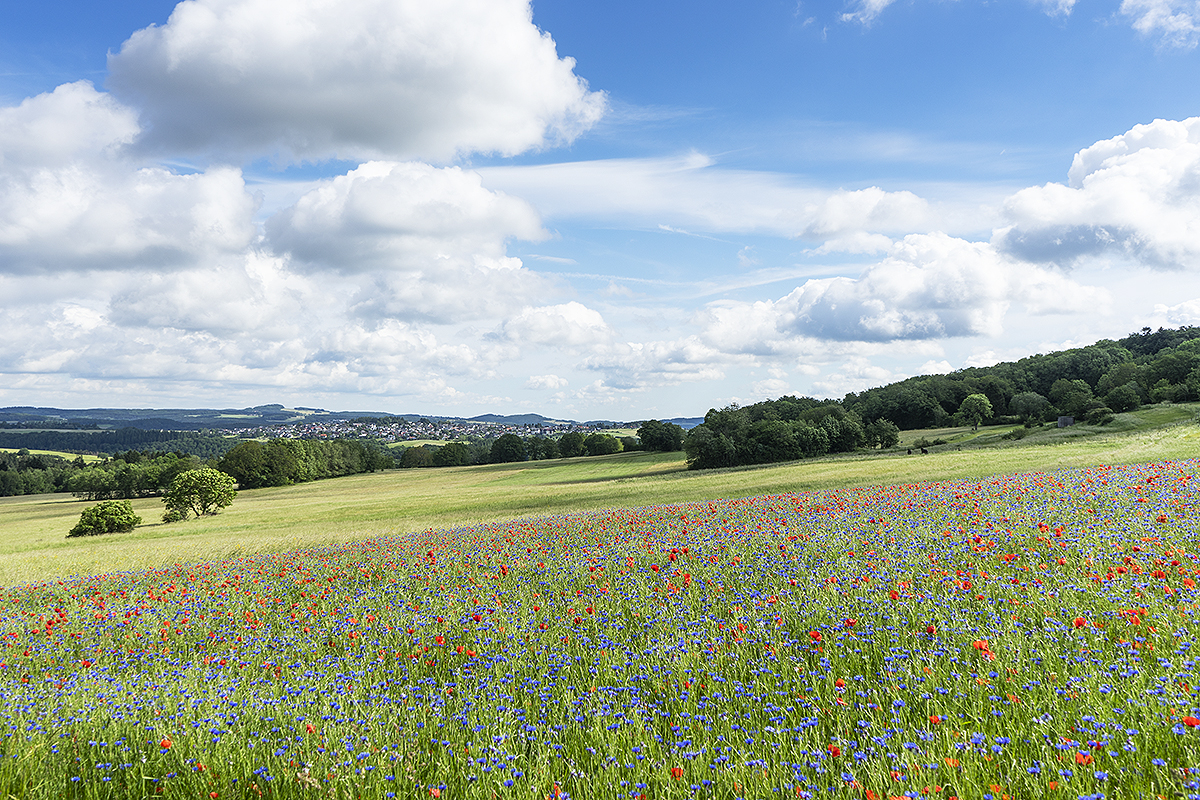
[315,79]
[403,216]
[1136,196]
[70,199]
[1176,23]
[930,286]
[1185,313]
[249,323]
[568,325]
[629,366]
[429,243]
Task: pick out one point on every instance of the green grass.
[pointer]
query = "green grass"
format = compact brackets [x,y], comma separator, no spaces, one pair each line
[87,458]
[34,544]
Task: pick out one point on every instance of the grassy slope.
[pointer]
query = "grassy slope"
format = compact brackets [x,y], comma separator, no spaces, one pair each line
[87,459]
[34,547]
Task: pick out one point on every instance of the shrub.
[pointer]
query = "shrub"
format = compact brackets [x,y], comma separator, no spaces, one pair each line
[111,516]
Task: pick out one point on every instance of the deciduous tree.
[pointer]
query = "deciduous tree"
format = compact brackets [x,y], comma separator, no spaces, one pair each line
[198,491]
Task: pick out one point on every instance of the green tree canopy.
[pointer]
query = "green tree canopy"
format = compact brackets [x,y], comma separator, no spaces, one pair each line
[601,444]
[1029,406]
[507,449]
[110,516]
[201,492]
[662,437]
[975,408]
[570,444]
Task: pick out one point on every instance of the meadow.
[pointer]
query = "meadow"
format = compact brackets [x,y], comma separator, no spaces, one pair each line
[34,544]
[1024,634]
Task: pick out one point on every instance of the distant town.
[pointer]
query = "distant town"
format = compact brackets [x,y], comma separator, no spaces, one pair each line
[401,429]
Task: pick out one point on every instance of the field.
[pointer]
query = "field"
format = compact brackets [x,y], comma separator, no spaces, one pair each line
[89,459]
[931,634]
[34,545]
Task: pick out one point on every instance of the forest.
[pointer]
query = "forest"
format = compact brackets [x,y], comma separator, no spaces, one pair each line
[1089,384]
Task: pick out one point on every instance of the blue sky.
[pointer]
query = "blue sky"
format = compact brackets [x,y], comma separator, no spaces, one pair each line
[615,210]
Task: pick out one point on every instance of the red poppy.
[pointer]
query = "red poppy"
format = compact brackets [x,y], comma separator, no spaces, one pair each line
[894,595]
[165,744]
[834,750]
[1079,622]
[676,772]
[930,629]
[1191,722]
[815,635]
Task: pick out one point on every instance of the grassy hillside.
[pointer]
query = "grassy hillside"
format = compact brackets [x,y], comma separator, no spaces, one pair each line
[34,546]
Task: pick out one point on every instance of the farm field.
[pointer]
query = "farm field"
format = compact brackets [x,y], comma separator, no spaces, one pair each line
[88,458]
[34,544]
[1014,636]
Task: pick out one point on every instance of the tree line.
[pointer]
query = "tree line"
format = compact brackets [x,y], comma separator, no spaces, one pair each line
[282,462]
[1087,383]
[510,448]
[137,473]
[204,445]
[1090,384]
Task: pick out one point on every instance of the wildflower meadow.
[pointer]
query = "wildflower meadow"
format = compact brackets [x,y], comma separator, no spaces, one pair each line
[1011,637]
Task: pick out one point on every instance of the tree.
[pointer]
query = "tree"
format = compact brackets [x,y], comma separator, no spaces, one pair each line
[418,456]
[662,437]
[111,516]
[1029,406]
[455,454]
[882,433]
[570,444]
[508,448]
[601,444]
[201,492]
[707,449]
[1124,398]
[975,408]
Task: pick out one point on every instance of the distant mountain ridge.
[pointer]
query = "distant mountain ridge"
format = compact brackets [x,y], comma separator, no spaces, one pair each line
[194,419]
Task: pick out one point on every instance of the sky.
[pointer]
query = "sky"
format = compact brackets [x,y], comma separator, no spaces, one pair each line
[610,210]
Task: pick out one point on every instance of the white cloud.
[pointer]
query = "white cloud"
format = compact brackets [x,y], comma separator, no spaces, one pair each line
[1185,313]
[570,325]
[1056,8]
[403,216]
[638,365]
[854,374]
[428,243]
[72,122]
[930,286]
[248,323]
[315,79]
[692,195]
[69,199]
[867,11]
[551,382]
[1135,196]
[932,367]
[1176,23]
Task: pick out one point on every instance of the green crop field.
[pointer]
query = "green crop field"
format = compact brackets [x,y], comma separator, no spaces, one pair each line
[88,459]
[34,544]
